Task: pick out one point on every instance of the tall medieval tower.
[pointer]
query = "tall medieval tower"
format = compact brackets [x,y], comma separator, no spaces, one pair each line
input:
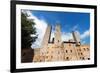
[46,37]
[44,43]
[58,55]
[76,37]
[57,40]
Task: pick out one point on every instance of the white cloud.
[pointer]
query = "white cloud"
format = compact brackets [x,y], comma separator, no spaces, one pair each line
[41,26]
[66,36]
[83,42]
[85,34]
[74,28]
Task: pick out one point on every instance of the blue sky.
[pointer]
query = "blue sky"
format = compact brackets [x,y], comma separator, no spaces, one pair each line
[66,19]
[69,21]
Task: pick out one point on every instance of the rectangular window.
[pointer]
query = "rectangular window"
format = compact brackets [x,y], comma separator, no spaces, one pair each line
[71,51]
[66,51]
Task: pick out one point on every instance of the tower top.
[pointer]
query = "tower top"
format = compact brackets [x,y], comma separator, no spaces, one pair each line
[76,37]
[57,23]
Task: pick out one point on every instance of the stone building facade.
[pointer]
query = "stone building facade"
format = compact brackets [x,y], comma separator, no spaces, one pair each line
[59,50]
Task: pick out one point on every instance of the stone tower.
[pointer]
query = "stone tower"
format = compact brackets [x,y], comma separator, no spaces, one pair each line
[58,55]
[46,37]
[57,40]
[45,42]
[76,37]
